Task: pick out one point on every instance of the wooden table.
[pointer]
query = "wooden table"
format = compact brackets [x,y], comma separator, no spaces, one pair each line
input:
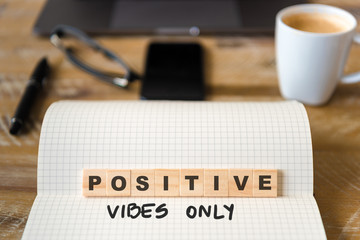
[238,68]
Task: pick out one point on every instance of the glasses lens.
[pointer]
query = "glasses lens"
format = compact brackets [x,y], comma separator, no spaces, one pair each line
[92,58]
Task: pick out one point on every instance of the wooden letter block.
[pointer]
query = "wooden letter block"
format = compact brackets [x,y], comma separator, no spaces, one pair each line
[216,182]
[265,183]
[240,182]
[118,183]
[94,182]
[192,182]
[167,182]
[143,182]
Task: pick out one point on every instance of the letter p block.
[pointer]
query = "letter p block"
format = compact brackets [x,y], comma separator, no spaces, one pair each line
[94,182]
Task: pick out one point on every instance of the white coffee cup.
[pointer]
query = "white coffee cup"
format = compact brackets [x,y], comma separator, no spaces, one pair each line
[310,65]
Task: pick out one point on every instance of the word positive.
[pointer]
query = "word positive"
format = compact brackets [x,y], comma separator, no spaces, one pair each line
[180,183]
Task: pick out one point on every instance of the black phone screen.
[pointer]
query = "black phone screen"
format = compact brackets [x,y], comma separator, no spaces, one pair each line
[174,71]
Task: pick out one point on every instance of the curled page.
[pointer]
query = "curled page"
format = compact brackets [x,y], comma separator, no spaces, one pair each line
[79,135]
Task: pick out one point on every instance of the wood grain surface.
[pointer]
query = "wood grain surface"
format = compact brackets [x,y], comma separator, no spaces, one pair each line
[238,68]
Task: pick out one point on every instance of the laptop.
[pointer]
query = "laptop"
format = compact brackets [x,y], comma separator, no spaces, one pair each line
[179,17]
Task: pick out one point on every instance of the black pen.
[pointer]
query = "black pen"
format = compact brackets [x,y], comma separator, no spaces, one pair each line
[33,88]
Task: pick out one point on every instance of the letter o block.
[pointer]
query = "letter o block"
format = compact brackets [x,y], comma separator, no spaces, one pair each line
[118,183]
[94,182]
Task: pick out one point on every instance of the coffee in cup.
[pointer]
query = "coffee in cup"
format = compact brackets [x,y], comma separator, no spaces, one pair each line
[317,22]
[312,46]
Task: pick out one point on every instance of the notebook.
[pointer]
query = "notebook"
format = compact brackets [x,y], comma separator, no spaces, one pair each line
[79,135]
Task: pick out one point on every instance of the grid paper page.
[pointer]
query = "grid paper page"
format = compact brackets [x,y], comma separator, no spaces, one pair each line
[128,134]
[73,217]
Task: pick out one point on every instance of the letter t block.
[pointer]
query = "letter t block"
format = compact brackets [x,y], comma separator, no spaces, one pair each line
[192,183]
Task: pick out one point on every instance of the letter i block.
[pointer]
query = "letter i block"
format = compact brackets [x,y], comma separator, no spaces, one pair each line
[192,183]
[265,183]
[94,182]
[142,183]
[118,183]
[240,182]
[216,183]
[167,182]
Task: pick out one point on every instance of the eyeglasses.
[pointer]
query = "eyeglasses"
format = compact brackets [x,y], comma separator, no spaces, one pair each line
[62,32]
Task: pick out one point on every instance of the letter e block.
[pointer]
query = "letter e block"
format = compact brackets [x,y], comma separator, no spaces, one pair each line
[216,183]
[94,182]
[118,183]
[143,182]
[167,182]
[192,182]
[240,182]
[265,183]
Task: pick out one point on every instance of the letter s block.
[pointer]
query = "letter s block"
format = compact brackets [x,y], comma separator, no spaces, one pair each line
[265,183]
[142,183]
[94,182]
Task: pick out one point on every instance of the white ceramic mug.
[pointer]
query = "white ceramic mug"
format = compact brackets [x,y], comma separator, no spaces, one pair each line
[310,65]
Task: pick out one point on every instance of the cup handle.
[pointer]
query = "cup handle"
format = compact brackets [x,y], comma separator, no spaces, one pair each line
[354,77]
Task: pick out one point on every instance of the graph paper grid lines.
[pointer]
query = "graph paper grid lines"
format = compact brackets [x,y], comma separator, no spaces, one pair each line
[74,217]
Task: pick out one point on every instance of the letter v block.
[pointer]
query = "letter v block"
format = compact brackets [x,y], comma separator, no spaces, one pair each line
[94,182]
[240,182]
[118,183]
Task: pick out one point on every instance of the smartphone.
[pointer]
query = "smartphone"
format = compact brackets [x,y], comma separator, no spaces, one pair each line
[173,71]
